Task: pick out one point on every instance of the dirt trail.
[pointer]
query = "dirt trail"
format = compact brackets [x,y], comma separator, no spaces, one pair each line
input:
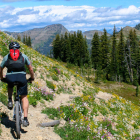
[32,132]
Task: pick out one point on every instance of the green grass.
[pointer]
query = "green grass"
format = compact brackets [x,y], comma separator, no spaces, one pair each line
[50,84]
[124,90]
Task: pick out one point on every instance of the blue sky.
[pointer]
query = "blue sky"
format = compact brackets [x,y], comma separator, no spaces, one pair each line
[22,15]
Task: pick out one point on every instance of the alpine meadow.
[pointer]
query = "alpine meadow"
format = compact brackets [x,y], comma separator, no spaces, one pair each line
[90,86]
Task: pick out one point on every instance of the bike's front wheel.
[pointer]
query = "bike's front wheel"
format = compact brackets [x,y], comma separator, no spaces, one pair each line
[18,124]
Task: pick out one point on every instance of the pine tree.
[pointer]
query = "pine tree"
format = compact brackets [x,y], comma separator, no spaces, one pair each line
[95,51]
[135,57]
[63,52]
[74,48]
[128,60]
[138,65]
[24,39]
[79,48]
[104,50]
[67,47]
[29,41]
[56,47]
[114,65]
[19,38]
[120,56]
[132,57]
[73,43]
[85,52]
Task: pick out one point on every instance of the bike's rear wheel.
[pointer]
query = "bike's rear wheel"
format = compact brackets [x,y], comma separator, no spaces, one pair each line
[18,123]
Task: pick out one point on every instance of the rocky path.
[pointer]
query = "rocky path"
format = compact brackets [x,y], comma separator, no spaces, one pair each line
[32,132]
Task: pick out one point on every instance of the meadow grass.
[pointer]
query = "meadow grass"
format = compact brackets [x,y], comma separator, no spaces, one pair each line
[117,118]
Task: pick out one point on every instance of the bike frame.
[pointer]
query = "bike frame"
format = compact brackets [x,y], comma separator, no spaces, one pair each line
[17,112]
[17,98]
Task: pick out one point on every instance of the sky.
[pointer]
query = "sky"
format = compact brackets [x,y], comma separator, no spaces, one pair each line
[85,15]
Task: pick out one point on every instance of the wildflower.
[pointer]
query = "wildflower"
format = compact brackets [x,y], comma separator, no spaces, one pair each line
[51,90]
[88,128]
[103,136]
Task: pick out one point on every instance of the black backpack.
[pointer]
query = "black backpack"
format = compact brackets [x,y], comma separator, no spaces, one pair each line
[15,66]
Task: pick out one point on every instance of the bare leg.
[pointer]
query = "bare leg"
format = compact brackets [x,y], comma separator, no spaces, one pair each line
[25,104]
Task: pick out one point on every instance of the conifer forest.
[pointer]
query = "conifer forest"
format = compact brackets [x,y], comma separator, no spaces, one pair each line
[114,58]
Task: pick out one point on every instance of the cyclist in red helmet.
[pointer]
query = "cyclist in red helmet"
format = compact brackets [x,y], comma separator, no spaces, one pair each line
[15,62]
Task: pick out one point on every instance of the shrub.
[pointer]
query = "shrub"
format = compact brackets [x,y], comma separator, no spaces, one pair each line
[55,78]
[69,113]
[50,85]
[51,112]
[32,101]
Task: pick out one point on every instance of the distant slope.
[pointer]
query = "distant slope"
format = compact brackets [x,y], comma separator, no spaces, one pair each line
[89,34]
[126,31]
[42,37]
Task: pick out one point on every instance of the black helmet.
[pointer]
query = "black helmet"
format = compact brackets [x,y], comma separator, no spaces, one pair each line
[14,45]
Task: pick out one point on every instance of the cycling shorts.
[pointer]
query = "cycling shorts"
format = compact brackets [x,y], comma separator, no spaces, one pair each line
[21,78]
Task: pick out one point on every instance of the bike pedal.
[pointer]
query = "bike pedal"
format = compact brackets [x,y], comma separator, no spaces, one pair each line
[10,108]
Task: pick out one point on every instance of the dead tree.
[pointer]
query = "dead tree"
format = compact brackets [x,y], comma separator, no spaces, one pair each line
[128,60]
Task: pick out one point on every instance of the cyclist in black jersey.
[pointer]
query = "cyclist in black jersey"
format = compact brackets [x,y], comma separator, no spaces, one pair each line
[15,62]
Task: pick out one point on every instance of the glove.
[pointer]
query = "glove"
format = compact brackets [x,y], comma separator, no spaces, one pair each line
[30,80]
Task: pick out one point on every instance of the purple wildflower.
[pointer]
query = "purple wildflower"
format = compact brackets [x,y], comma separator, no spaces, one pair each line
[103,136]
[58,71]
[108,124]
[88,128]
[77,129]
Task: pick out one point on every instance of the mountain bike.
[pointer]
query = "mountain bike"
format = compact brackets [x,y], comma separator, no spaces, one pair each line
[18,111]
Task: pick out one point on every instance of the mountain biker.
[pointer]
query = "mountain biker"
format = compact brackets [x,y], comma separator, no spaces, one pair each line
[15,62]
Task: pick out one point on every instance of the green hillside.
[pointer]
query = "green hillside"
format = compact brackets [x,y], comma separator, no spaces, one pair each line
[90,115]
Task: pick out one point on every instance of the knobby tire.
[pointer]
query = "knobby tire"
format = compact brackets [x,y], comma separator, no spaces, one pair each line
[18,124]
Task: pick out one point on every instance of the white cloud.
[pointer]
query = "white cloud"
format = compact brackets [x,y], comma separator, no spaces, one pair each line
[5,24]
[72,17]
[116,22]
[23,19]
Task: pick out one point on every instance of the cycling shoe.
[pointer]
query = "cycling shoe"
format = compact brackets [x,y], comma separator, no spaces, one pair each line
[10,105]
[25,123]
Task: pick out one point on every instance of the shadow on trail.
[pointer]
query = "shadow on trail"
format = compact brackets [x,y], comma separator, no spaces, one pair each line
[11,124]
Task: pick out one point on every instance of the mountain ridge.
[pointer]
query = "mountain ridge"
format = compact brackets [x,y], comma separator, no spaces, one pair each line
[42,38]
